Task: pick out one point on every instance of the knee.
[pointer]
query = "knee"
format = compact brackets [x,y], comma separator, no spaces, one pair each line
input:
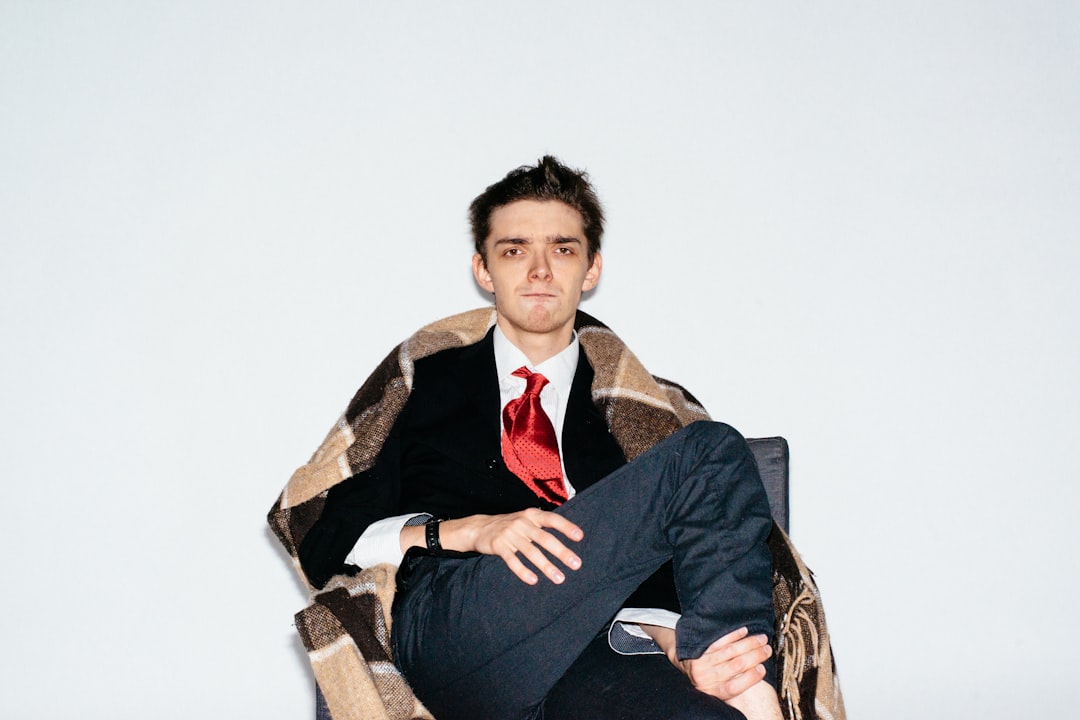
[709,435]
[718,445]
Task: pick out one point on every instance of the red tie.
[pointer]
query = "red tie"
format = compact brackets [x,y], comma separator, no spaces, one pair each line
[529,445]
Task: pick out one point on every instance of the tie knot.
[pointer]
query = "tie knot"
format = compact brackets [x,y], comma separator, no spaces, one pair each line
[534,382]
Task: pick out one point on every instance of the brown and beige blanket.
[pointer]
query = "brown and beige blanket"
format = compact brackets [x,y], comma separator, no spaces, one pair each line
[346,629]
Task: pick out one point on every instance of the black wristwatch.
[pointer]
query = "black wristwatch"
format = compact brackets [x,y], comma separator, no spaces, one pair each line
[431,535]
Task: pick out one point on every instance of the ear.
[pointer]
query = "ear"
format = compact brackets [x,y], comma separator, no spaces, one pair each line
[480,272]
[592,275]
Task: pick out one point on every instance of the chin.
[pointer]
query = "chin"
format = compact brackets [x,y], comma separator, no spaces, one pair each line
[539,322]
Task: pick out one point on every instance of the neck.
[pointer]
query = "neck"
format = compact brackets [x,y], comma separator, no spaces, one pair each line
[538,347]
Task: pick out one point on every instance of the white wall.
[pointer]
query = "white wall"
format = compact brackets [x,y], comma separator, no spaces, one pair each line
[851,224]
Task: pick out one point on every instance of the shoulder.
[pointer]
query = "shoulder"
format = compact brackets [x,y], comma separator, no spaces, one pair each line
[457,356]
[456,372]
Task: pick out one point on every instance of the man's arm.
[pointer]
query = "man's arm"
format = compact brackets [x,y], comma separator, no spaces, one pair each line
[351,507]
[507,536]
[366,498]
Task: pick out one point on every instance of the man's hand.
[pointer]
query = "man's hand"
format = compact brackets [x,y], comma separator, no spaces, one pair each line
[511,537]
[730,666]
[727,668]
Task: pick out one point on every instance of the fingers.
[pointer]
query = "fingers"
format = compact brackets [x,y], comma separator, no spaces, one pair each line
[731,665]
[539,540]
[747,655]
[744,681]
[541,562]
[555,546]
[736,644]
[728,640]
[722,681]
[517,567]
[558,522]
[522,536]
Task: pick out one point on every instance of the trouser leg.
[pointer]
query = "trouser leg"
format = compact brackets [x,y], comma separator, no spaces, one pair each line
[476,642]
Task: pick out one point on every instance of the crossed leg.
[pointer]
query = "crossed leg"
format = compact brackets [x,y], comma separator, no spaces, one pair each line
[476,642]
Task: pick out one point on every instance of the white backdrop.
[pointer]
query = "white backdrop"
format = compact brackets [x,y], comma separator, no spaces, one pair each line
[852,224]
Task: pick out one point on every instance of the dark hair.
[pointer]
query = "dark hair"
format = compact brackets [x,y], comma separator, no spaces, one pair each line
[549,179]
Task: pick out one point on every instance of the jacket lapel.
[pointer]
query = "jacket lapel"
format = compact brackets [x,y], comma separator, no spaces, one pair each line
[476,376]
[589,450]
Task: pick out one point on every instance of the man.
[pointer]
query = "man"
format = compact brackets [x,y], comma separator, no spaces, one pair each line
[521,530]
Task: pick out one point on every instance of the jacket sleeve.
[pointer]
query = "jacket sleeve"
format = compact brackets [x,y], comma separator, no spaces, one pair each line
[351,506]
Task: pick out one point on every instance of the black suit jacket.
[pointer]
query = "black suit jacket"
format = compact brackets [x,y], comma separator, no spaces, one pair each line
[443,456]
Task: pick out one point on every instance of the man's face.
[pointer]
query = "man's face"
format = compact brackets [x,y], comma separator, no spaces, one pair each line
[537,266]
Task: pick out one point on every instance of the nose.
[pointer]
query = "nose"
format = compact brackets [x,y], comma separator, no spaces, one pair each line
[540,270]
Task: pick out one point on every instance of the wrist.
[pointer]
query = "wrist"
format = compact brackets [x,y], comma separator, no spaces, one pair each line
[411,536]
[664,637]
[458,535]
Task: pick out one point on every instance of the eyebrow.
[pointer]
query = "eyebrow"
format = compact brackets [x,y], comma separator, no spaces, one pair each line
[550,240]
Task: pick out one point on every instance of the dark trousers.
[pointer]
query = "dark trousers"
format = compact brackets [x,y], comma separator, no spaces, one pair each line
[477,643]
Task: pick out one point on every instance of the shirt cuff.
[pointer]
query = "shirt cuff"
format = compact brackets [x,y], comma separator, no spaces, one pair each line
[381,541]
[626,637]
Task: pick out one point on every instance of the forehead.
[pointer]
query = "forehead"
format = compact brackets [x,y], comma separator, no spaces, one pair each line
[535,219]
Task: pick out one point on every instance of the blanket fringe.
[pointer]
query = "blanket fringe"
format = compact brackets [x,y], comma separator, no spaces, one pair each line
[796,625]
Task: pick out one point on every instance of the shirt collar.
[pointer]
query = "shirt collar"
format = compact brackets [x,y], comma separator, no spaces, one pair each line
[558,369]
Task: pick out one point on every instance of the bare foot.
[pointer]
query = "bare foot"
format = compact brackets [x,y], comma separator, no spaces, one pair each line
[759,702]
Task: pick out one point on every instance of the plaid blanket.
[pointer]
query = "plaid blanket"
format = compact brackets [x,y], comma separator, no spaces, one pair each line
[346,628]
